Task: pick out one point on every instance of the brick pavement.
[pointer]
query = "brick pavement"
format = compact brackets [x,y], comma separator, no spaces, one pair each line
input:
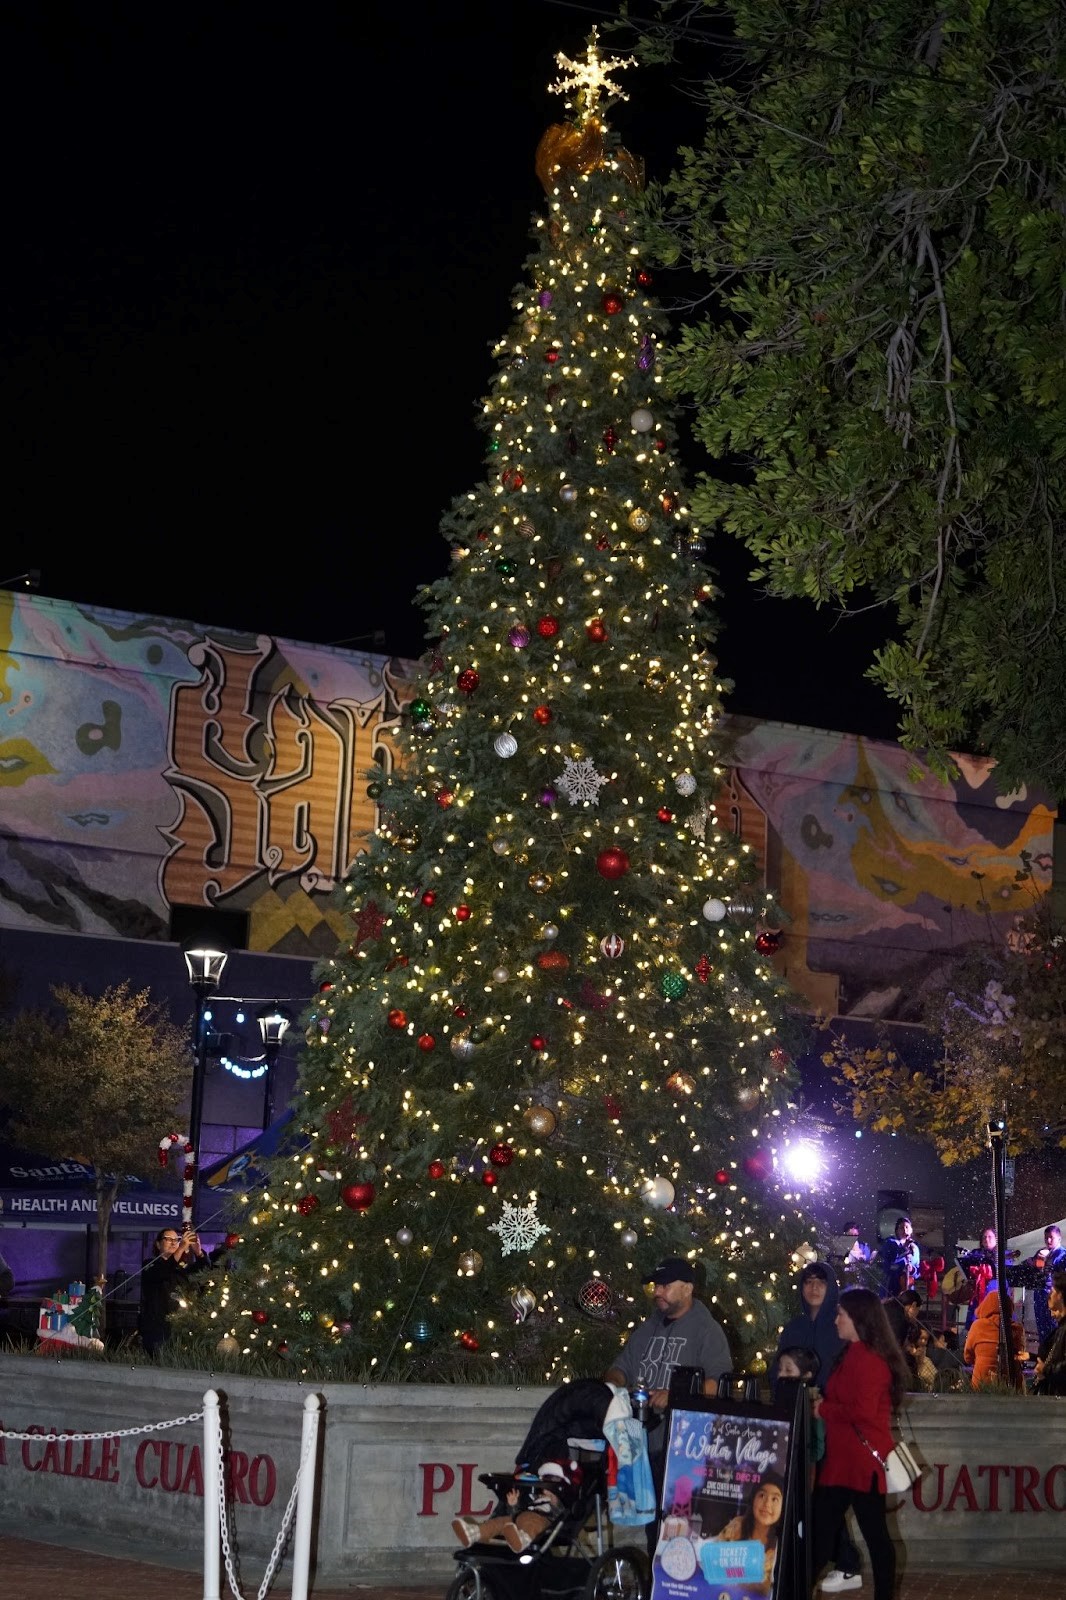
[29,1569]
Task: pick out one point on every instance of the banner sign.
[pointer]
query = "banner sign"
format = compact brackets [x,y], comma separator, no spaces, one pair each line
[725,1503]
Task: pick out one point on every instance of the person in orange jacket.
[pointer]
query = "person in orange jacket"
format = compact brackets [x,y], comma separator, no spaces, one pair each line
[982,1343]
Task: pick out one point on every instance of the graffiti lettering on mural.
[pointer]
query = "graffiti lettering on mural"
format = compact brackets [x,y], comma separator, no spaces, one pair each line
[274,793]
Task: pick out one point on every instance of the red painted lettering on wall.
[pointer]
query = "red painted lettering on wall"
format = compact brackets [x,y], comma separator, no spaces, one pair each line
[69,1458]
[928,1493]
[439,1478]
[164,1464]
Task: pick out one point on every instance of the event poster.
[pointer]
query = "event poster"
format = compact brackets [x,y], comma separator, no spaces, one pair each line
[723,1506]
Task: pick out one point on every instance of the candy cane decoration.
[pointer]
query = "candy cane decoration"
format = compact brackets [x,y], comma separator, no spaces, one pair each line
[182,1142]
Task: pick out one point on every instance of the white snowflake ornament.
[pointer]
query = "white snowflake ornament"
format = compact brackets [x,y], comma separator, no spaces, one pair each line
[580,782]
[519,1228]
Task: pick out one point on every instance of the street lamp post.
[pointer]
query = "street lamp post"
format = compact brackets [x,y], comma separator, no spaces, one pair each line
[206,966]
[997,1139]
[274,1024]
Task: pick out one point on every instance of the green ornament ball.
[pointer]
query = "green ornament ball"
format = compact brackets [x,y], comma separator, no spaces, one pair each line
[420,710]
[505,567]
[673,985]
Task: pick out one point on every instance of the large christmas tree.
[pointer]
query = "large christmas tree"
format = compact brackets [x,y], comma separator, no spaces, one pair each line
[551,1050]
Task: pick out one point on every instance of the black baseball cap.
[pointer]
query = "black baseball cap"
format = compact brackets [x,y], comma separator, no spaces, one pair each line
[672,1270]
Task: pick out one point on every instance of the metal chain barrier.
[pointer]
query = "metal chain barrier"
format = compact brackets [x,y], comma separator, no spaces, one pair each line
[110,1433]
[282,1539]
[310,1439]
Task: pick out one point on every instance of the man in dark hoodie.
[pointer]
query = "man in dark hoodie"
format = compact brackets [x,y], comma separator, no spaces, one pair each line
[814,1328]
[814,1325]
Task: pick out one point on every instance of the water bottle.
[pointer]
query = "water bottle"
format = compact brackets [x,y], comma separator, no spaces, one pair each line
[641,1399]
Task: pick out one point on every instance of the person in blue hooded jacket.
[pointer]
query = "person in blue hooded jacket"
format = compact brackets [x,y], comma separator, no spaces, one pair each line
[814,1328]
[814,1325]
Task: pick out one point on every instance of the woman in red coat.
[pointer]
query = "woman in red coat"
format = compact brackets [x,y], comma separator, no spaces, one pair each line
[864,1388]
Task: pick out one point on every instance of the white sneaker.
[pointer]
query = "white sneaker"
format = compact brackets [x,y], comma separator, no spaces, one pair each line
[836,1581]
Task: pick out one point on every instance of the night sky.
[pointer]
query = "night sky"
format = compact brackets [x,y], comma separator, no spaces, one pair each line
[255,261]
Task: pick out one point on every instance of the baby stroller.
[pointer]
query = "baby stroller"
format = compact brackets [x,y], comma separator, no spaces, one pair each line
[574,1557]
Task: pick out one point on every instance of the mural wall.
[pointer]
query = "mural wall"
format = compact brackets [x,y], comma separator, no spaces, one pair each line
[884,871]
[147,764]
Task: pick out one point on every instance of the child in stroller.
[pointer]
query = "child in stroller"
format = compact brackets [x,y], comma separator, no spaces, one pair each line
[544,1497]
[565,1554]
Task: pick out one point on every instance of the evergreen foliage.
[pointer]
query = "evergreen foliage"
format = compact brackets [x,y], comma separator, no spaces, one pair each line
[881,376]
[550,1052]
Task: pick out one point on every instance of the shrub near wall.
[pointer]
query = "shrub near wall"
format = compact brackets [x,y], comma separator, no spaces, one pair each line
[399,1462]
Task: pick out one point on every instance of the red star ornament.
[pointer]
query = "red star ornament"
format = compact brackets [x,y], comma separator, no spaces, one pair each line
[369,923]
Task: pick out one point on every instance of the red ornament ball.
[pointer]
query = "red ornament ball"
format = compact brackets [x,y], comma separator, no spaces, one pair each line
[468,1341]
[613,1107]
[324,988]
[612,862]
[307,1203]
[511,478]
[768,942]
[644,278]
[468,680]
[435,1170]
[358,1196]
[444,798]
[551,357]
[397,1018]
[462,913]
[488,1178]
[282,1347]
[596,630]
[501,1155]
[665,814]
[426,1042]
[613,302]
[232,1241]
[460,1011]
[721,1176]
[595,1298]
[259,1317]
[547,627]
[542,715]
[538,1042]
[429,898]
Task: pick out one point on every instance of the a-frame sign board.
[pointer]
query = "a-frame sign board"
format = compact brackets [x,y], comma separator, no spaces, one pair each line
[735,1500]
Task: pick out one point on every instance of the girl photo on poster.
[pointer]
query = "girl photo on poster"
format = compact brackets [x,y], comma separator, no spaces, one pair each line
[723,1503]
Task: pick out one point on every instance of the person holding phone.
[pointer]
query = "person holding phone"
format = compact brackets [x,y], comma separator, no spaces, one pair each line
[164,1276]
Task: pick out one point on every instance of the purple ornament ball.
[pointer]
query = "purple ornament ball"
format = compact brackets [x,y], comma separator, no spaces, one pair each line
[518,637]
[544,298]
[548,797]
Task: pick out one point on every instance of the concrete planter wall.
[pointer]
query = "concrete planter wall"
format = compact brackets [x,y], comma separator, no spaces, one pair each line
[398,1463]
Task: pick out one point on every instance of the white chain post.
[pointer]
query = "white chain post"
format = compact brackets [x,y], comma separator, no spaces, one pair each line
[301,1553]
[212,1489]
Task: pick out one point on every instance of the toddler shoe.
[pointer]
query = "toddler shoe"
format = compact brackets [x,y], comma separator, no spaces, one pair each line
[516,1538]
[466,1531]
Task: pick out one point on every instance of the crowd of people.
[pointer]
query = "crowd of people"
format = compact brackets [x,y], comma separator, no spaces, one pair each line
[858,1351]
